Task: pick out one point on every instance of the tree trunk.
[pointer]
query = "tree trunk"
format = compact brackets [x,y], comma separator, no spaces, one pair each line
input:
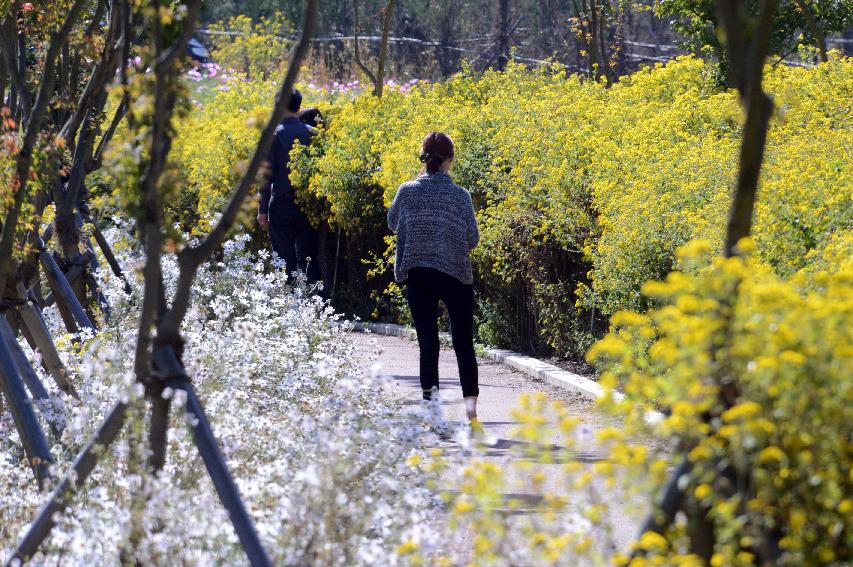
[746,53]
[502,33]
[814,28]
[446,59]
[2,82]
[67,235]
[22,66]
[383,48]
[590,31]
[603,44]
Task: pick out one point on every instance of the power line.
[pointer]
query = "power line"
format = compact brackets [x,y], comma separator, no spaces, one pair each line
[436,44]
[397,40]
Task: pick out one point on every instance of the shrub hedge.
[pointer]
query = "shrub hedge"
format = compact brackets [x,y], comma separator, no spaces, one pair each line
[583,192]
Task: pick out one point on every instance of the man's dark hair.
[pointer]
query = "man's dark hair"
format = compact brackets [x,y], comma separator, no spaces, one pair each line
[311,116]
[295,102]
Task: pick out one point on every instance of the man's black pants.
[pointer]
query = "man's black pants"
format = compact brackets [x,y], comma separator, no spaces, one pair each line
[426,287]
[293,239]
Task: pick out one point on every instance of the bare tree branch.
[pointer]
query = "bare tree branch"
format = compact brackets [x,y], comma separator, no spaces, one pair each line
[783,56]
[103,71]
[98,156]
[82,155]
[357,55]
[89,32]
[91,107]
[383,48]
[8,45]
[377,78]
[180,46]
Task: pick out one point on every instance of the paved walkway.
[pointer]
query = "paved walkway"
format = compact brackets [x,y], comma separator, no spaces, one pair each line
[500,390]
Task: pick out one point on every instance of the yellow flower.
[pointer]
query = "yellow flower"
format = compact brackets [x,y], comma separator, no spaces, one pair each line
[792,357]
[703,491]
[771,454]
[414,460]
[463,506]
[408,547]
[744,410]
[652,541]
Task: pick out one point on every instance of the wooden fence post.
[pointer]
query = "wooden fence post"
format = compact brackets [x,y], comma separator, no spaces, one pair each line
[62,290]
[73,480]
[31,379]
[94,266]
[171,370]
[24,415]
[34,326]
[109,256]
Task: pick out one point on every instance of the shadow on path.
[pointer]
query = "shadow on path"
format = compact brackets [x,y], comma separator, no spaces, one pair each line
[524,451]
[513,503]
[444,383]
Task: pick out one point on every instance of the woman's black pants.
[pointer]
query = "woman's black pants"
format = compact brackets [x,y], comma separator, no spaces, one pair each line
[426,287]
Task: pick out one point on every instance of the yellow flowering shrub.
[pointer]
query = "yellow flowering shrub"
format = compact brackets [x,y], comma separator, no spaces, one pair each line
[214,143]
[255,49]
[786,435]
[669,162]
[585,192]
[773,466]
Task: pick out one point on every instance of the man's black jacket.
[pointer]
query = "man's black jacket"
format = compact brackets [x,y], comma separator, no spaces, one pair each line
[290,130]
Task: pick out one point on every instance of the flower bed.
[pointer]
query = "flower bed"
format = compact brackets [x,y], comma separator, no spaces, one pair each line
[318,454]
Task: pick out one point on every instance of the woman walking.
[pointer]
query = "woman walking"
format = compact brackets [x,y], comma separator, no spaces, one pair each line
[436,231]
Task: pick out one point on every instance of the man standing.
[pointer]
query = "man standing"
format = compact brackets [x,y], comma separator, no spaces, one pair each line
[293,238]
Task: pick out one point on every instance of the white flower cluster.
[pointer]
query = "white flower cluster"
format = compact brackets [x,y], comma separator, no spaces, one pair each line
[318,453]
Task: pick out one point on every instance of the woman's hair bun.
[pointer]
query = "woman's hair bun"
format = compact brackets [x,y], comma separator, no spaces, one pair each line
[436,148]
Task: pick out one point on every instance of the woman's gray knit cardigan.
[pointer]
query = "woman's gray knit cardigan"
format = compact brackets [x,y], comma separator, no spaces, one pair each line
[435,225]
